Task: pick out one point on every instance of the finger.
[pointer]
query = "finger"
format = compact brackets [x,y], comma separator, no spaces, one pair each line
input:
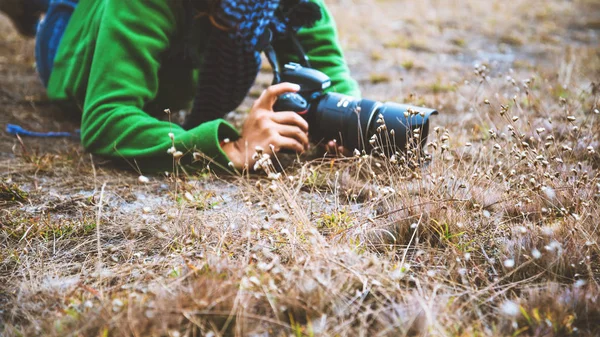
[288,143]
[344,151]
[290,118]
[331,146]
[269,96]
[293,132]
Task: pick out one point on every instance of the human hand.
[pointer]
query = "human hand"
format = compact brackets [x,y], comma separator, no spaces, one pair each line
[272,131]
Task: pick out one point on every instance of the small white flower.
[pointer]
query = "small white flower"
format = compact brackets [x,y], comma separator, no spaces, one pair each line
[177,154]
[510,308]
[143,179]
[171,135]
[189,196]
[171,150]
[509,263]
[274,176]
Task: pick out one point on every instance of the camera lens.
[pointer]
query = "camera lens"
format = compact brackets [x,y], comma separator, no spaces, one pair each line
[365,124]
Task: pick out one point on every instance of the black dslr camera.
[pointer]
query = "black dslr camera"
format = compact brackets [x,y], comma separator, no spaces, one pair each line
[354,123]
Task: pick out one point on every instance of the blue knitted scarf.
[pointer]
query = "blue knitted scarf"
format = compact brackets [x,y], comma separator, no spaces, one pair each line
[231,59]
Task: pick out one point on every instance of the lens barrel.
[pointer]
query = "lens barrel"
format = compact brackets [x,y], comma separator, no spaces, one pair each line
[365,124]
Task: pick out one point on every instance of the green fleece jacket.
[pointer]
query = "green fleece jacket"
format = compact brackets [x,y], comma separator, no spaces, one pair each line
[111,63]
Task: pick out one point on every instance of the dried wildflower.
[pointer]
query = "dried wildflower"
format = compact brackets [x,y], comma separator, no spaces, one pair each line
[171,135]
[117,304]
[536,253]
[273,186]
[171,150]
[177,154]
[510,308]
[143,179]
[274,176]
[497,146]
[189,196]
[571,118]
[515,118]
[509,263]
[486,101]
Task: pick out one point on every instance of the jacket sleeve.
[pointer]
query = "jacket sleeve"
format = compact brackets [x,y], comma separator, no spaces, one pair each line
[124,78]
[322,46]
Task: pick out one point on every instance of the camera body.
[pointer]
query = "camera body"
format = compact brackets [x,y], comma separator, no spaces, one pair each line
[361,124]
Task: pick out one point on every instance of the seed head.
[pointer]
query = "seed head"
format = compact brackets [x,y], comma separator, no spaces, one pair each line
[189,196]
[510,308]
[571,118]
[509,263]
[515,118]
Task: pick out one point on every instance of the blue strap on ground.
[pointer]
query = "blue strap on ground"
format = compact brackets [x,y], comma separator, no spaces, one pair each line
[17,130]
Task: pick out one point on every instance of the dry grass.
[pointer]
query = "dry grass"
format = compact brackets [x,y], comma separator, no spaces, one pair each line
[497,236]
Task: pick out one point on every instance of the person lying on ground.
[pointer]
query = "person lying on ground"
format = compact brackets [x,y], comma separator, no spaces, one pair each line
[122,63]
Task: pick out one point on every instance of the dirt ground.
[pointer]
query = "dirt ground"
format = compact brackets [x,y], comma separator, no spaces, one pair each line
[89,249]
